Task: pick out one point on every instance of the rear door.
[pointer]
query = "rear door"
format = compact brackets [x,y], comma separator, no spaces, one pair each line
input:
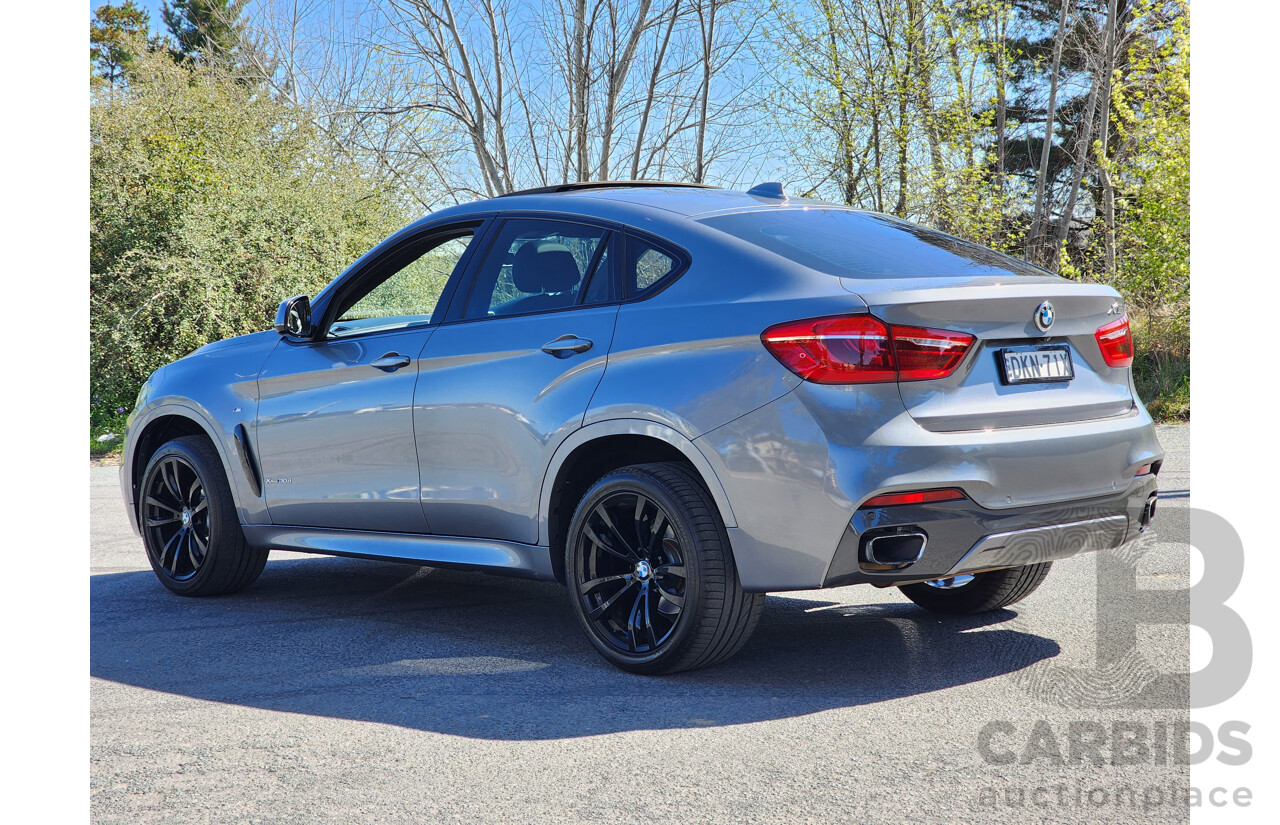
[509,376]
[335,420]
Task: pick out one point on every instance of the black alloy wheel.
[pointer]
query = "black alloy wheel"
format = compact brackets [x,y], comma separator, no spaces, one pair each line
[650,574]
[189,523]
[175,514]
[632,576]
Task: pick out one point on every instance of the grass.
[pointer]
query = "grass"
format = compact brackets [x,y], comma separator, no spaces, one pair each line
[102,422]
[1162,365]
[1164,384]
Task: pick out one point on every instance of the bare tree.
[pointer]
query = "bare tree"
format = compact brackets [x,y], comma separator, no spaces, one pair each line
[1038,219]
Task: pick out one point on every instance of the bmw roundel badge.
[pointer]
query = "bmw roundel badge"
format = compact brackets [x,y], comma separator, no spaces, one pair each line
[1044,316]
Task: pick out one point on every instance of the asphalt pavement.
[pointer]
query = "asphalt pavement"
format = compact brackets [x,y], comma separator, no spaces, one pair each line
[347,691]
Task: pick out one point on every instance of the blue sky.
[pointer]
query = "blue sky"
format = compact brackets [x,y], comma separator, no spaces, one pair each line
[750,164]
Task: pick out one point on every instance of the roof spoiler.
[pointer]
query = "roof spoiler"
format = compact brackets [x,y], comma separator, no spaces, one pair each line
[603,184]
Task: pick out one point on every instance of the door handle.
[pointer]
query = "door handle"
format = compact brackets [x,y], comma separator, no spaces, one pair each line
[391,362]
[566,345]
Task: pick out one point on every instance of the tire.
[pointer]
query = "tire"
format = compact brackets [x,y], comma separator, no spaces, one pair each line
[986,591]
[656,601]
[186,502]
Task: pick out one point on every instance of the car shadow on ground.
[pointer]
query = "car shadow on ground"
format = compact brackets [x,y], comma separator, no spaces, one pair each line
[491,658]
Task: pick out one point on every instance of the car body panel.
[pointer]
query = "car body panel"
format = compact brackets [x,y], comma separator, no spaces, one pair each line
[1000,315]
[690,356]
[491,409]
[215,387]
[493,556]
[335,435]
[797,470]
[639,427]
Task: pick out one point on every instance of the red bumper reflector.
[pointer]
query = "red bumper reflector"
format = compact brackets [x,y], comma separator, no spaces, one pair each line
[915,497]
[1144,470]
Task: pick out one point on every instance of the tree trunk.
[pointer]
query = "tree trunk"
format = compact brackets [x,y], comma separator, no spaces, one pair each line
[1040,218]
[707,25]
[576,149]
[1078,169]
[617,77]
[1001,107]
[1104,139]
[652,90]
[922,80]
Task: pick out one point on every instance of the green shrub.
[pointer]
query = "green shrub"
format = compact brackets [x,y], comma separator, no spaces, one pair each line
[209,203]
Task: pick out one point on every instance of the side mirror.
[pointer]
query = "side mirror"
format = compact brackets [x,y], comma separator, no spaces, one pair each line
[294,317]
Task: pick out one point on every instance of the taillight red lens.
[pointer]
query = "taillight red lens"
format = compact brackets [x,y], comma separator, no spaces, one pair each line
[1116,342]
[924,354]
[845,350]
[858,349]
[915,497]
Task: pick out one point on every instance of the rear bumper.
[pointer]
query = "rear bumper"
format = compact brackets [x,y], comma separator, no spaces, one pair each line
[964,537]
[797,470]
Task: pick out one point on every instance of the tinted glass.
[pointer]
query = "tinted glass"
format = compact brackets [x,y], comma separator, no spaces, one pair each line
[600,287]
[408,294]
[646,266]
[861,245]
[534,266]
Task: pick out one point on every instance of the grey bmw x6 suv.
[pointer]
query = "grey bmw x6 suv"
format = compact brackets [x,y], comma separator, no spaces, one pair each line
[672,399]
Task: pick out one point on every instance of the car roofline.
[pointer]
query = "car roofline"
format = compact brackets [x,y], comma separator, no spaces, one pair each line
[604,184]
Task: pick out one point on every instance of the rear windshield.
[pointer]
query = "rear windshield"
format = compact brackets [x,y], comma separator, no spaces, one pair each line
[864,245]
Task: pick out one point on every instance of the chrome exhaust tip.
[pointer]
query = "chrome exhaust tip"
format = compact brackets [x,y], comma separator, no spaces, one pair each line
[1148,512]
[894,551]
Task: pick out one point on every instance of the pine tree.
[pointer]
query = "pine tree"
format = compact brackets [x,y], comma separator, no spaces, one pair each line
[204,30]
[114,34]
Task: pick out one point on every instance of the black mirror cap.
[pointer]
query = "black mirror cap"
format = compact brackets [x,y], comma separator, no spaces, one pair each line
[294,317]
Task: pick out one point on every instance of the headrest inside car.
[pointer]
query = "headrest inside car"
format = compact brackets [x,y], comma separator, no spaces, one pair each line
[545,267]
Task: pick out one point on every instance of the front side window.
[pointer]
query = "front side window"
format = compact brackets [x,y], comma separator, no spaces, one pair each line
[408,295]
[536,266]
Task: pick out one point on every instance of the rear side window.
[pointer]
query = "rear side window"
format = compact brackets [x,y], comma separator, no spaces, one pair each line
[536,266]
[853,244]
[645,267]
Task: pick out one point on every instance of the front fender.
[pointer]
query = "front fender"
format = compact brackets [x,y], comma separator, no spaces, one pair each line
[250,507]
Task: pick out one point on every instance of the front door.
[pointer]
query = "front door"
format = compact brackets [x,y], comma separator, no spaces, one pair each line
[501,386]
[335,419]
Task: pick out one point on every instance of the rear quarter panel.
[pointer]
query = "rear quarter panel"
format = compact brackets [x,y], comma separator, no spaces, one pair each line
[690,356]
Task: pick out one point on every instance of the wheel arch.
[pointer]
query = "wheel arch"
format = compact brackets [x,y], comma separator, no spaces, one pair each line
[164,423]
[599,448]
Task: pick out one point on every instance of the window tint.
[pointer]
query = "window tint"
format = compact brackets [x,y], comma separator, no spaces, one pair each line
[600,288]
[646,266]
[860,245]
[535,266]
[409,293]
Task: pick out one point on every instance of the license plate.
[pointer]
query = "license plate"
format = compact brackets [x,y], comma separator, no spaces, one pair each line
[1035,365]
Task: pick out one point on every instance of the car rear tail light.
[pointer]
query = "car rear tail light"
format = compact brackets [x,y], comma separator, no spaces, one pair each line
[1116,342]
[924,354]
[844,350]
[861,349]
[914,497]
